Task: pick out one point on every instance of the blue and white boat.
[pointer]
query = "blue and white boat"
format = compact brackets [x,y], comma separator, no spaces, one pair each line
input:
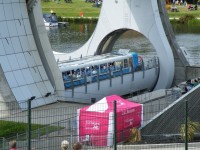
[93,77]
[50,20]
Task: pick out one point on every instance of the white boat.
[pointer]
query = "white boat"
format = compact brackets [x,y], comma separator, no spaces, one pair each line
[50,20]
[91,78]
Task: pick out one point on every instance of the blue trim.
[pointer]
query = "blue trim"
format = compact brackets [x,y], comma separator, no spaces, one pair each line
[104,74]
[134,59]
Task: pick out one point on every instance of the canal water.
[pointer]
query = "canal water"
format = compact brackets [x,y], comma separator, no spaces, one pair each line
[72,37]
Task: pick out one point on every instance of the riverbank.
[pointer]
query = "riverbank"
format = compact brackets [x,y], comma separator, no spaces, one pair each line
[183,19]
[80,7]
[78,19]
[182,11]
[79,11]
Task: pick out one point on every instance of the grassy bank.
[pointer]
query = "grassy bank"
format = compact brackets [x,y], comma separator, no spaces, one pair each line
[182,11]
[72,10]
[9,129]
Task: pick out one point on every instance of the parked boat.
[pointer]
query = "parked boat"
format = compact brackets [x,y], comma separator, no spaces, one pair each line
[50,20]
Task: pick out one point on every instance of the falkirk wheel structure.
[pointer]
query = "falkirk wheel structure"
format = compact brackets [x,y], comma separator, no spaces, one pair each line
[28,67]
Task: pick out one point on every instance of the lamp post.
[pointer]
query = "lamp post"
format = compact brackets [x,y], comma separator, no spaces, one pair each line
[29,122]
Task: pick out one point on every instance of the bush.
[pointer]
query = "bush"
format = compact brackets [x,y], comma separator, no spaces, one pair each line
[194,22]
[193,127]
[135,135]
[79,20]
[168,7]
[186,18]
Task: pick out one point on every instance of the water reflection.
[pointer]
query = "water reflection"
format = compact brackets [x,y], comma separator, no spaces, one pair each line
[72,37]
[136,42]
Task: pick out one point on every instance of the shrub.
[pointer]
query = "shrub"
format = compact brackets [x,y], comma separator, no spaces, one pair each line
[135,135]
[186,18]
[193,127]
[168,7]
[194,22]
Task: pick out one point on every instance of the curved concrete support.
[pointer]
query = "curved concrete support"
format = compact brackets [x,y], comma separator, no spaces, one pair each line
[6,94]
[180,59]
[19,57]
[26,56]
[139,15]
[44,48]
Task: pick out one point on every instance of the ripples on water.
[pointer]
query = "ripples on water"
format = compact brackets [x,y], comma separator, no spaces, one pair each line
[72,37]
[191,42]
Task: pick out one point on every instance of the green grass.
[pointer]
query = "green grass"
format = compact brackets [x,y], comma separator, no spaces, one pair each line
[71,9]
[9,129]
[182,12]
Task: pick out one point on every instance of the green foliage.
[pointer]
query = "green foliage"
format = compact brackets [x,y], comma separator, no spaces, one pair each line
[186,18]
[194,22]
[9,128]
[135,135]
[79,20]
[193,127]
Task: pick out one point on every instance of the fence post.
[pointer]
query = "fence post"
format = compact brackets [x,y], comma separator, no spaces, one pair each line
[115,126]
[186,125]
[29,121]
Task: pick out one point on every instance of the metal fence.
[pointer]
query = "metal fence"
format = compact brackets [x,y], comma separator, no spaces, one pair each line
[163,118]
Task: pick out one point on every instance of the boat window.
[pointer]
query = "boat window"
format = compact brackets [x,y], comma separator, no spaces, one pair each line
[118,64]
[48,19]
[68,72]
[65,76]
[131,62]
[54,18]
[88,71]
[64,73]
[125,63]
[73,74]
[103,68]
[82,71]
[94,69]
[112,66]
[78,73]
